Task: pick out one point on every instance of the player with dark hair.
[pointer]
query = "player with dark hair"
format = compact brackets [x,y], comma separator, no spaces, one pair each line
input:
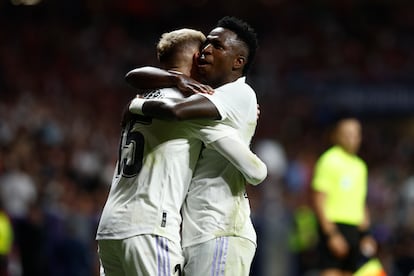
[139,230]
[218,235]
[246,35]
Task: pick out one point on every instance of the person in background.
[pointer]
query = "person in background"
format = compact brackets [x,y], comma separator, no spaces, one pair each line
[6,241]
[339,191]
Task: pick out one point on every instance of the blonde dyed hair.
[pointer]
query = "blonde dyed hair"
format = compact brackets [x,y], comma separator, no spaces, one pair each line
[170,42]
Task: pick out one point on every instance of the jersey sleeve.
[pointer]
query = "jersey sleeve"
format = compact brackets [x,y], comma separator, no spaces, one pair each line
[208,131]
[234,105]
[322,178]
[226,142]
[239,155]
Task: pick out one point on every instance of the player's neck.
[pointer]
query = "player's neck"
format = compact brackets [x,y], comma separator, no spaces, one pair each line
[182,69]
[224,80]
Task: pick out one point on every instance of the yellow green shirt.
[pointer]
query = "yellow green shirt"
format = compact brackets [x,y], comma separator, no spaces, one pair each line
[343,178]
[6,234]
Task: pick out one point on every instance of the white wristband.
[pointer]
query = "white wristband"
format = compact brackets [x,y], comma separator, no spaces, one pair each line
[136,106]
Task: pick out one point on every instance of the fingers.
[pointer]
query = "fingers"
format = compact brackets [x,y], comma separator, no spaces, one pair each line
[196,88]
[190,86]
[206,89]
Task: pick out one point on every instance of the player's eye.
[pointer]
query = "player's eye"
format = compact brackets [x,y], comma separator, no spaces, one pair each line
[217,45]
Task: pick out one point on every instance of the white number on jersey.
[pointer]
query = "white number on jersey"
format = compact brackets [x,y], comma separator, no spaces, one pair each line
[131,150]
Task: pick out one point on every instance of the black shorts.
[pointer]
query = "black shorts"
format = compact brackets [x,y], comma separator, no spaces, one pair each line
[350,263]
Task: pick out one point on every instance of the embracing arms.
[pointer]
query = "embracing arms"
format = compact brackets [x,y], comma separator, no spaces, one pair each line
[193,107]
[152,78]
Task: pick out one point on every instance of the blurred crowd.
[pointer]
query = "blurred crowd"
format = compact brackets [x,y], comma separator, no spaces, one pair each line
[62,91]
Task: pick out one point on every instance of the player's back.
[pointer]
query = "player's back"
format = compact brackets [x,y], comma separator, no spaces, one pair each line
[155,166]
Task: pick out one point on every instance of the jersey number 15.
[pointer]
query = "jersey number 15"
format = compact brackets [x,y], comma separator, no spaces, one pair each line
[131,150]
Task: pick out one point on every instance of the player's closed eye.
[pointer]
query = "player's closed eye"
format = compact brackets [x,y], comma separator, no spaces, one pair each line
[217,45]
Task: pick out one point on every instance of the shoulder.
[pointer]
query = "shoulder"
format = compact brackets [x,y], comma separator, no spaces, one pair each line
[331,152]
[328,157]
[237,92]
[361,162]
[239,84]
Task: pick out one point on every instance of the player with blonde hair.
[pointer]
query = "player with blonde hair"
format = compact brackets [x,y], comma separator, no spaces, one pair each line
[218,234]
[139,230]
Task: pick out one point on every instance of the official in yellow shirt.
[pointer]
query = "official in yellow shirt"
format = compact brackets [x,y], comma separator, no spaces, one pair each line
[339,194]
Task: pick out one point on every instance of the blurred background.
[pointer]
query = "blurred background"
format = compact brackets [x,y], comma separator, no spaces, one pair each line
[62,91]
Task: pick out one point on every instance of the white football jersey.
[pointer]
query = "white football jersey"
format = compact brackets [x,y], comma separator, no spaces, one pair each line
[151,179]
[156,163]
[217,203]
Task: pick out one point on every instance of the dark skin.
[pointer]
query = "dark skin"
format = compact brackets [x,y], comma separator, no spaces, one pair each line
[221,61]
[222,58]
[177,69]
[146,77]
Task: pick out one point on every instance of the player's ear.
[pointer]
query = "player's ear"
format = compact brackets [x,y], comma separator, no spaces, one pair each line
[239,62]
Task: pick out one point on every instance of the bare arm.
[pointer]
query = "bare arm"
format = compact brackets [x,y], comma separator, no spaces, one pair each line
[237,153]
[318,201]
[152,78]
[335,240]
[368,244]
[193,107]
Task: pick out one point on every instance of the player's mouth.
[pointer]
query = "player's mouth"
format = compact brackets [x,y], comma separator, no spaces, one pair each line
[202,62]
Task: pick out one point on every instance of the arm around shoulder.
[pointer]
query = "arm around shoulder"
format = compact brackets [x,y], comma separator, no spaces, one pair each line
[195,107]
[149,77]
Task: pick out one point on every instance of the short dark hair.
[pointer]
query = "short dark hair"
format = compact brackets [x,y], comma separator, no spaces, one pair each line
[245,33]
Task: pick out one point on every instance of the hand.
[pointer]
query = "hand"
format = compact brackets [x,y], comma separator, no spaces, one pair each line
[258,112]
[189,86]
[368,246]
[338,245]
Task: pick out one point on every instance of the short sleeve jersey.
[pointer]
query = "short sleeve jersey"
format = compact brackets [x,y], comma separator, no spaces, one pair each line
[343,178]
[156,162]
[155,166]
[217,203]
